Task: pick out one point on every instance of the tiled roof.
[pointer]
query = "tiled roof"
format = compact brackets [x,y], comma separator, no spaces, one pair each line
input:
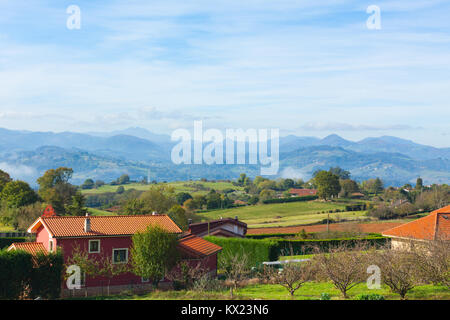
[303,192]
[201,228]
[103,225]
[197,247]
[434,226]
[31,247]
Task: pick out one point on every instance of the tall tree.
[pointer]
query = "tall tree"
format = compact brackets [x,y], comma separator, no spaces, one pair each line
[348,187]
[419,184]
[55,189]
[77,207]
[182,197]
[17,194]
[154,253]
[327,184]
[178,215]
[4,179]
[341,173]
[159,199]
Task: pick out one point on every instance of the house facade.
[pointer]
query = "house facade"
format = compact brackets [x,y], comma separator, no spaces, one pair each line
[435,226]
[111,236]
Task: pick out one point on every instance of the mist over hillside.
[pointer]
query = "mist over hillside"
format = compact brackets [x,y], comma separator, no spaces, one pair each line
[105,155]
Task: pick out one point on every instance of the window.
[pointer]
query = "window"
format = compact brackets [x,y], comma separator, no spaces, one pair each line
[50,245]
[120,255]
[94,246]
[144,279]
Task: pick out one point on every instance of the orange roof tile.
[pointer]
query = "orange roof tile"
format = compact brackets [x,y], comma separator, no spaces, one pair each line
[303,192]
[31,247]
[434,226]
[69,226]
[199,247]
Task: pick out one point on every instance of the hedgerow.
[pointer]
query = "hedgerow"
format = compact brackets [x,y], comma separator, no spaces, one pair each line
[24,275]
[290,199]
[258,251]
[6,242]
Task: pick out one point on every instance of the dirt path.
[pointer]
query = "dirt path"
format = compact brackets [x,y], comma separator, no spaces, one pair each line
[349,226]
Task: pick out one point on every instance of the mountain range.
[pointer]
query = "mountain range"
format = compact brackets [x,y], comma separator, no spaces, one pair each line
[27,155]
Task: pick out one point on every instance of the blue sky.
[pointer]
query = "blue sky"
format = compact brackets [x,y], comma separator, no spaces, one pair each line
[306,67]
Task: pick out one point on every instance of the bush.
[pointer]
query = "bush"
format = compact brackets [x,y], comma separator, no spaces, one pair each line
[356,207]
[6,242]
[258,251]
[46,275]
[291,199]
[325,296]
[15,273]
[22,275]
[300,247]
[371,296]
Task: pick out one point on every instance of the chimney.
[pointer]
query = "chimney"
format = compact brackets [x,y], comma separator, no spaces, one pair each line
[236,218]
[87,223]
[189,221]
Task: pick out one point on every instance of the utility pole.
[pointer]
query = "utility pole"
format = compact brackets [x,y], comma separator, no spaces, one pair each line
[328,223]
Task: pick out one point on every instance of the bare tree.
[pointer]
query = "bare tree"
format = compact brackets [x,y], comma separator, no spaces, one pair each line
[343,265]
[187,274]
[292,277]
[236,267]
[105,267]
[433,262]
[398,269]
[102,266]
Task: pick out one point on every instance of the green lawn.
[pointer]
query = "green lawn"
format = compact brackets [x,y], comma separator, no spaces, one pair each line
[309,291]
[4,228]
[98,212]
[283,214]
[180,186]
[313,290]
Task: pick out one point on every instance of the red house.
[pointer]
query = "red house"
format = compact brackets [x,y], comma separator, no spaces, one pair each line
[111,236]
[302,192]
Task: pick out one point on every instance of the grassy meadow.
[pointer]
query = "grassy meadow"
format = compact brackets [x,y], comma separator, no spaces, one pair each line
[284,214]
[193,187]
[309,291]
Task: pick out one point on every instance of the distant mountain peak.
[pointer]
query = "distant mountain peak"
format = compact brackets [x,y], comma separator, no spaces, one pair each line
[335,140]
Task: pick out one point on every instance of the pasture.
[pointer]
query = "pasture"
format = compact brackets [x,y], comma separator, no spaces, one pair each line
[284,214]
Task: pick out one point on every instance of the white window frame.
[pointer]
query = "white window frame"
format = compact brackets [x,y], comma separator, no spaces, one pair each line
[126,255]
[51,245]
[95,240]
[145,280]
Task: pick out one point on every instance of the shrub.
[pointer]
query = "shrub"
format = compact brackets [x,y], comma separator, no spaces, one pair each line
[22,274]
[371,296]
[325,296]
[307,246]
[15,273]
[291,199]
[6,242]
[258,251]
[356,207]
[46,275]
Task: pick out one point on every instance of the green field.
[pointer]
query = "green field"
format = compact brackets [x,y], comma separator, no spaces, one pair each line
[98,212]
[4,228]
[283,214]
[180,186]
[309,291]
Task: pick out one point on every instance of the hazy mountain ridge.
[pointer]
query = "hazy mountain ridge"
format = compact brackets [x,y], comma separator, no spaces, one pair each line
[105,156]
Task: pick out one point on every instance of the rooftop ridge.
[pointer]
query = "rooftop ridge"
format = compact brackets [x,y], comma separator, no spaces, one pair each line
[108,216]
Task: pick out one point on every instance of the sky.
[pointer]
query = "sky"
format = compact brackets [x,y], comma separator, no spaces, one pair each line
[308,68]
